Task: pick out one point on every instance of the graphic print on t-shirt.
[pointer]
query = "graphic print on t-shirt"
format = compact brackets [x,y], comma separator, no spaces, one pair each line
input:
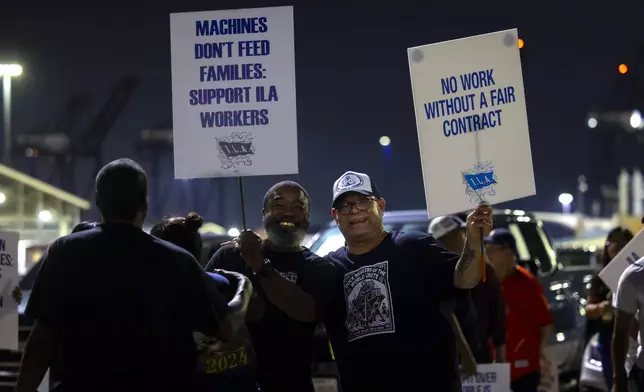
[290,276]
[368,298]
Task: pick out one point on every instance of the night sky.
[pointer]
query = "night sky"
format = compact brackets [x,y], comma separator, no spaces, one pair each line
[352,87]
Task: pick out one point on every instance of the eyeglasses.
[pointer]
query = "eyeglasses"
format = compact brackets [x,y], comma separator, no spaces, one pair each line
[361,205]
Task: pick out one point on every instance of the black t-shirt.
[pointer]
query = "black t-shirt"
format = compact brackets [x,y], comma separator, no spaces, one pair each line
[284,346]
[382,313]
[233,361]
[125,305]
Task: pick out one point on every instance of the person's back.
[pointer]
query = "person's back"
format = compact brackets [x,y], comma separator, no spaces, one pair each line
[124,319]
[120,305]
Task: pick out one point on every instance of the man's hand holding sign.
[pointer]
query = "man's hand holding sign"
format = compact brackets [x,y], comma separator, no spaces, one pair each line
[479,225]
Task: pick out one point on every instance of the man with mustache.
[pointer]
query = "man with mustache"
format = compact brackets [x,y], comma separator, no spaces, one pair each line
[281,318]
[380,295]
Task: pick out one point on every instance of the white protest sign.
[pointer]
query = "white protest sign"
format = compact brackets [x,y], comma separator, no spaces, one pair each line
[632,252]
[9,279]
[233,93]
[472,122]
[493,377]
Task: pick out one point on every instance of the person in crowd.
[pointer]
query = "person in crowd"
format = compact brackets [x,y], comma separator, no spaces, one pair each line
[121,305]
[461,315]
[628,304]
[228,367]
[599,309]
[282,316]
[529,321]
[380,295]
[487,296]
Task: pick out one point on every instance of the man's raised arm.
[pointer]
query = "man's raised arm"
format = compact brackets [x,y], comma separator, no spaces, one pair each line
[469,267]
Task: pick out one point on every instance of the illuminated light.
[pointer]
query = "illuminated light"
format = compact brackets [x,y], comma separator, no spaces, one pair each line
[233,232]
[10,70]
[636,119]
[3,198]
[521,43]
[565,199]
[592,122]
[384,141]
[45,216]
[623,69]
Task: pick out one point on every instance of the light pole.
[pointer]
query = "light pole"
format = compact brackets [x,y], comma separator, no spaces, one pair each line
[7,71]
[566,200]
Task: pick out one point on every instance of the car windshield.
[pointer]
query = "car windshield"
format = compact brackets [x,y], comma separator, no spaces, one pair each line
[533,245]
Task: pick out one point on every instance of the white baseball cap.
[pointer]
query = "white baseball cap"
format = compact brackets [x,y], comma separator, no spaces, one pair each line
[444,224]
[354,182]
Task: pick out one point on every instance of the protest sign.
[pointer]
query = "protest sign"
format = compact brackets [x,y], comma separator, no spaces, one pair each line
[494,377]
[9,279]
[632,252]
[233,93]
[472,122]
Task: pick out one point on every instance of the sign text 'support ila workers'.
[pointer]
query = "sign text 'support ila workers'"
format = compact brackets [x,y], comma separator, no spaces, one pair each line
[234,93]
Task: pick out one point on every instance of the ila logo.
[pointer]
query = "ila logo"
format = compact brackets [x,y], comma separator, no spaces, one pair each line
[236,149]
[349,181]
[480,181]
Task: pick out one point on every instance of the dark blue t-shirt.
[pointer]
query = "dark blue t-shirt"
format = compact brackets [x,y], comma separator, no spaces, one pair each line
[382,314]
[284,346]
[125,305]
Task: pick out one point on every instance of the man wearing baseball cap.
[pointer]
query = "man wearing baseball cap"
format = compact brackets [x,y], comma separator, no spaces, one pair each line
[383,315]
[487,298]
[529,322]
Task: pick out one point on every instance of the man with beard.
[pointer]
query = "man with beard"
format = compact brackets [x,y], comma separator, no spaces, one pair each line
[380,295]
[281,317]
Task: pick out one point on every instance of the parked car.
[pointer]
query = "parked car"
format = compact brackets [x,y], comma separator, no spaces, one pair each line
[535,252]
[591,378]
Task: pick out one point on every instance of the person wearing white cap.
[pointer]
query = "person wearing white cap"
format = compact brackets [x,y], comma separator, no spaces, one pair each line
[487,296]
[383,315]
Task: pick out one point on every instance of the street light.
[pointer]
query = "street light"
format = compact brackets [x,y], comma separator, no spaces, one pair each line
[45,216]
[7,71]
[566,200]
[636,119]
[384,141]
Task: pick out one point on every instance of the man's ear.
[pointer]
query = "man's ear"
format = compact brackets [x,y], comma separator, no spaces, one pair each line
[381,204]
[334,212]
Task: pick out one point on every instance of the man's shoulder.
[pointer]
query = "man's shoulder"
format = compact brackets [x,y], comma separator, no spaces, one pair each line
[228,258]
[414,240]
[169,248]
[526,280]
[634,272]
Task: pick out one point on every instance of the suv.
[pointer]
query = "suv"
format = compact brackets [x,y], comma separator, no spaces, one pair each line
[535,253]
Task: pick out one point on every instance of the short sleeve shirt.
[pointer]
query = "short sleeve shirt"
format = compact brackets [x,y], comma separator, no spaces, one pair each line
[126,305]
[382,314]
